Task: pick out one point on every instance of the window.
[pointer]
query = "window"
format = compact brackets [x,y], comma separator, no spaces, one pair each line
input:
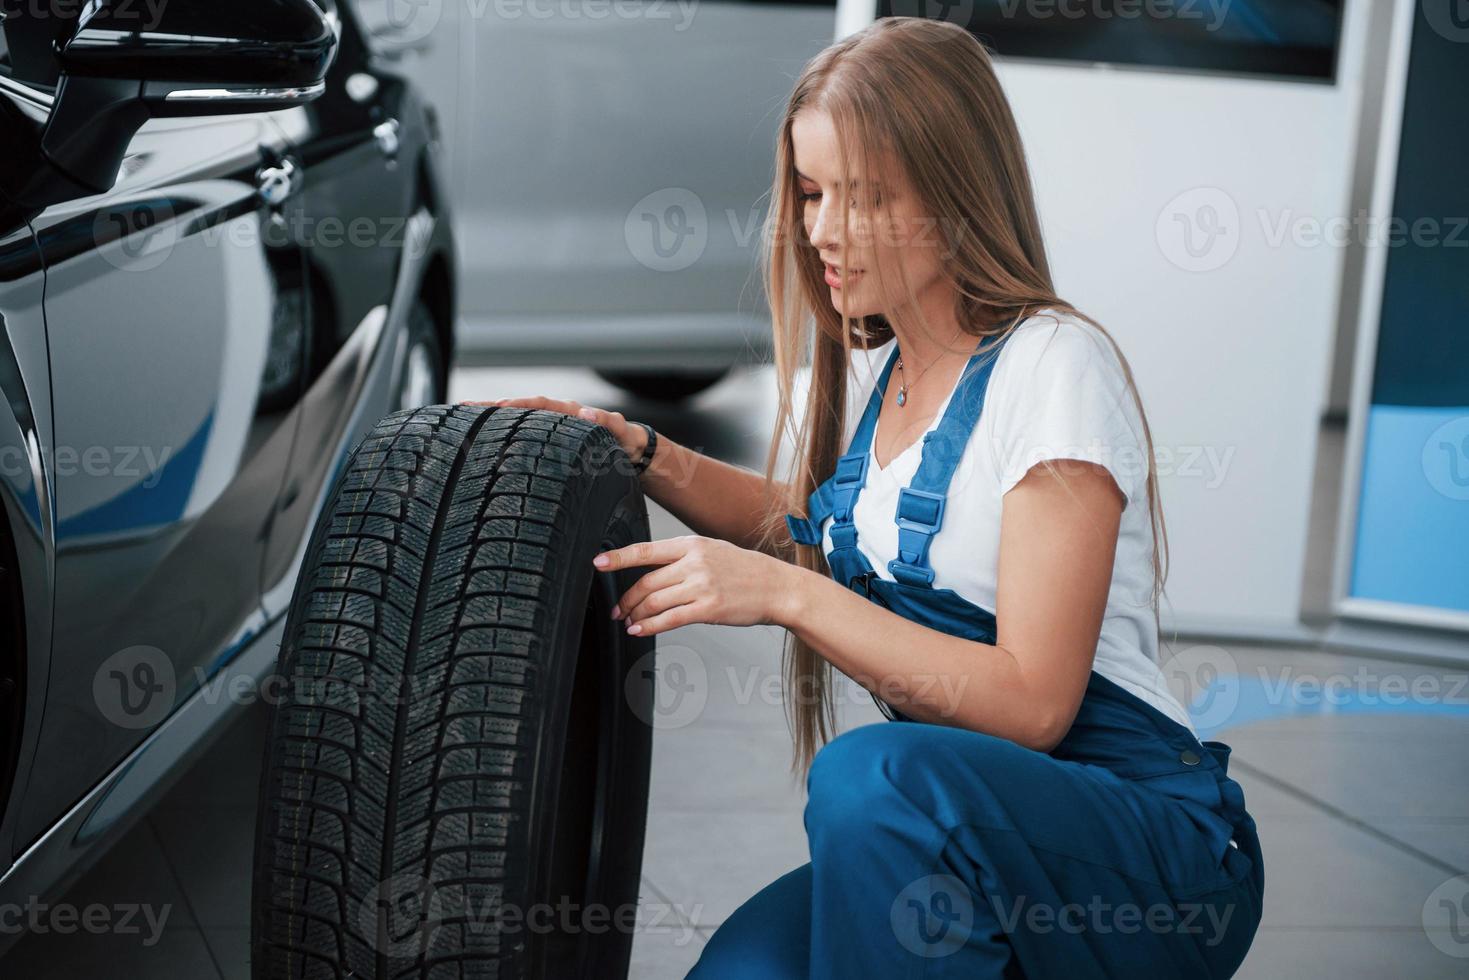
[25,46]
[1288,38]
[1413,443]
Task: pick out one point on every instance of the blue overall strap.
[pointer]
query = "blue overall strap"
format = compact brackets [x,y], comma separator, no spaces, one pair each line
[837,495]
[920,511]
[807,530]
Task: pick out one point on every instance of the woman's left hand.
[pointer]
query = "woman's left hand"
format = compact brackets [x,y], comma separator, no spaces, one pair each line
[700,580]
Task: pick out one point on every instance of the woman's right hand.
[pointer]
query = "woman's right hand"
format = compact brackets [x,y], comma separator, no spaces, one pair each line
[630,437]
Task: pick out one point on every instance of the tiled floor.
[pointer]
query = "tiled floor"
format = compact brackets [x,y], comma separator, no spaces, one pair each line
[1361,795]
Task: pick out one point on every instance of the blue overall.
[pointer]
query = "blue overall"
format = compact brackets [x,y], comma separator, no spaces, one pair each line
[937,851]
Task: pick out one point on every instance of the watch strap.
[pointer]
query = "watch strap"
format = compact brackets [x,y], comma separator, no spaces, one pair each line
[648,450]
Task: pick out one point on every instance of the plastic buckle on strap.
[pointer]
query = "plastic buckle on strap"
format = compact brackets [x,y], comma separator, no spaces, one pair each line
[920,510]
[910,574]
[803,530]
[920,513]
[850,469]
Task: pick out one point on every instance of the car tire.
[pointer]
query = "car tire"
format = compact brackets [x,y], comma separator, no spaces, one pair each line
[462,733]
[663,386]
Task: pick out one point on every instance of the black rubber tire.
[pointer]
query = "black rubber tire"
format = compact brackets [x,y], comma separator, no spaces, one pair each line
[663,386]
[400,836]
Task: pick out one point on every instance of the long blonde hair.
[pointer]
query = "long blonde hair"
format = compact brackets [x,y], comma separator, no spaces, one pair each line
[925,93]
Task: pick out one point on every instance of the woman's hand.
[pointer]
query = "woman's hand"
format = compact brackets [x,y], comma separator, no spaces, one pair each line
[700,580]
[630,437]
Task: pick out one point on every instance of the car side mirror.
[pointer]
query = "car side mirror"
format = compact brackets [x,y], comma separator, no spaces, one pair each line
[189,59]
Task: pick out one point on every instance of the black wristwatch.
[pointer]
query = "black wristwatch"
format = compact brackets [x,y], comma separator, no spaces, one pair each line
[648,450]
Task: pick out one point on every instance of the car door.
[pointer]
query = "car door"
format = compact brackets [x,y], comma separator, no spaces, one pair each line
[25,494]
[174,319]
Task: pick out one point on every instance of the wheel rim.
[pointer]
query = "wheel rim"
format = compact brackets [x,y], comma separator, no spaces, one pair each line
[419,384]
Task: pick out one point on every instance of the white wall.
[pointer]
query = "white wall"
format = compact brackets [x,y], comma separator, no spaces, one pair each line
[1232,360]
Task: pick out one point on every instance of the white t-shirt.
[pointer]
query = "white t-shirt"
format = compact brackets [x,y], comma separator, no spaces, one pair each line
[1057,391]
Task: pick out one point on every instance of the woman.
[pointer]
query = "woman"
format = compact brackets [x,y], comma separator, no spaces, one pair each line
[982,557]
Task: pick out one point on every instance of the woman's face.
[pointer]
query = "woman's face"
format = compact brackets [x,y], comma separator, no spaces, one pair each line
[902,237]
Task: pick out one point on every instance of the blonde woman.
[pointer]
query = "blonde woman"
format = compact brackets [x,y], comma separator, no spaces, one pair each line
[972,532]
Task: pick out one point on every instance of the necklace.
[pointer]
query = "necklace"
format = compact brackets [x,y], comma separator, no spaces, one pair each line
[903,385]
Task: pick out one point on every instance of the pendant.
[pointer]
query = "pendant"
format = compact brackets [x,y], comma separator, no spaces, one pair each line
[902,397]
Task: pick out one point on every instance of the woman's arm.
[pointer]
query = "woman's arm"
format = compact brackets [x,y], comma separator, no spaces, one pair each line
[714,498]
[1057,544]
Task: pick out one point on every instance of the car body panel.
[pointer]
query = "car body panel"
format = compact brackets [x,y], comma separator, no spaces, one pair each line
[25,492]
[167,460]
[612,171]
[371,224]
[177,313]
